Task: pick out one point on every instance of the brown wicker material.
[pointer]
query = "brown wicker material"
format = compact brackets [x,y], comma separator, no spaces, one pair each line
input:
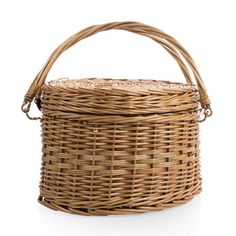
[119,146]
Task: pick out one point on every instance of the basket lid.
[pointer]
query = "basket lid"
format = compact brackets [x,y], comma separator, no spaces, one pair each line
[118,96]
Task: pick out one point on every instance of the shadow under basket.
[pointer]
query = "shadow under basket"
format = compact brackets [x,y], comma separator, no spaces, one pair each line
[118,146]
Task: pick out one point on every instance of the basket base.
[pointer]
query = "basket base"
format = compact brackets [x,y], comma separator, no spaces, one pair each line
[114,211]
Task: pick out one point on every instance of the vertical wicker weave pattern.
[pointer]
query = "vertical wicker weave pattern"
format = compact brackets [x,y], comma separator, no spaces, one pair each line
[117,152]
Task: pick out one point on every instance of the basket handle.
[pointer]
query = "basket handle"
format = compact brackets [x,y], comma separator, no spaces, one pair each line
[166,41]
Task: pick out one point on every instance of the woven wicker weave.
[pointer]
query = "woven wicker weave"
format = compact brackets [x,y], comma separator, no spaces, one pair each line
[116,146]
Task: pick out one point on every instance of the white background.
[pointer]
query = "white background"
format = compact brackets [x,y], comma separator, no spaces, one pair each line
[30,31]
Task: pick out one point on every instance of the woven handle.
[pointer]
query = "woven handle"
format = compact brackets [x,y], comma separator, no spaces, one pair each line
[167,42]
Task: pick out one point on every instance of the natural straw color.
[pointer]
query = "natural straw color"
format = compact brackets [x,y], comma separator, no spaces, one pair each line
[119,146]
[92,96]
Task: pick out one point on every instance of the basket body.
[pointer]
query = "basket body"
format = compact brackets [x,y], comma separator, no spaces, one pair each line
[112,164]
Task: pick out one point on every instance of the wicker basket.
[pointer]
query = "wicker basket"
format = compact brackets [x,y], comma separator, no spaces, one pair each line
[109,148]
